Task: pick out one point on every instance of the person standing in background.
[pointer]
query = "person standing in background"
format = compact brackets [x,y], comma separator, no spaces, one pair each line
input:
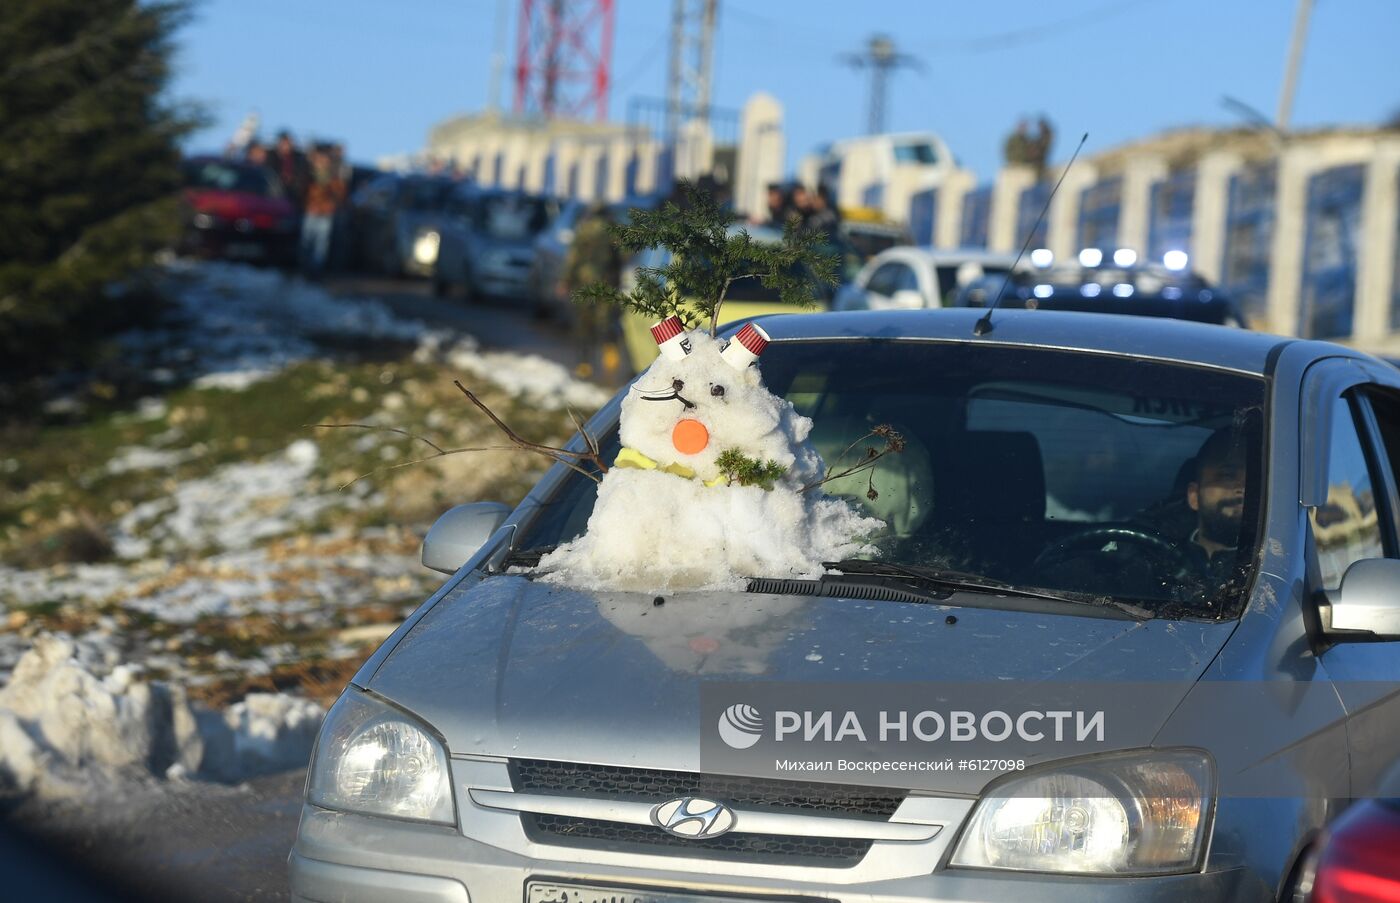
[289,165]
[340,227]
[325,193]
[594,257]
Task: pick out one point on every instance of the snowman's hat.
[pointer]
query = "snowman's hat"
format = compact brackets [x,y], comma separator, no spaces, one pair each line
[671,338]
[745,347]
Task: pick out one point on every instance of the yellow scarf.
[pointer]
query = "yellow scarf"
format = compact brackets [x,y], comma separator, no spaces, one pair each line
[630,457]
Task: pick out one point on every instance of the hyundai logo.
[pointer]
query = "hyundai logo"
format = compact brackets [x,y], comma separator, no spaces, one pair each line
[693,817]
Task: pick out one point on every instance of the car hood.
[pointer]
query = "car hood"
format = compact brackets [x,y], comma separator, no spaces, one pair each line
[509,666]
[237,203]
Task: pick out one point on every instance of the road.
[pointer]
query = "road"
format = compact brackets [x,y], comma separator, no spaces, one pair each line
[208,841]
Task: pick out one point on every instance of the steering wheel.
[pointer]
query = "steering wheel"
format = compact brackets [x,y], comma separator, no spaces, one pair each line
[1095,539]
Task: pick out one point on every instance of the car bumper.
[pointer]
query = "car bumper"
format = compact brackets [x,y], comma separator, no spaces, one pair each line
[352,858]
[505,283]
[253,247]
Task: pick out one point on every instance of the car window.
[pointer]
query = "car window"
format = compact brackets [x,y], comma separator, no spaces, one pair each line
[1077,473]
[1385,404]
[886,278]
[1346,528]
[221,176]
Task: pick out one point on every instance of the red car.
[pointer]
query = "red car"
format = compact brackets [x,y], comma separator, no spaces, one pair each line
[237,211]
[1358,860]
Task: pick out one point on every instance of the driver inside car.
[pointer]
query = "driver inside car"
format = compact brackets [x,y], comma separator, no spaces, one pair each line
[1205,521]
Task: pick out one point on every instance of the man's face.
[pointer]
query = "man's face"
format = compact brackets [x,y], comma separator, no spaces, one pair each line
[1217,497]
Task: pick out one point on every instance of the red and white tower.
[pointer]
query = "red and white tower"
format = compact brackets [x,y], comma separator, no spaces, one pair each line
[563,58]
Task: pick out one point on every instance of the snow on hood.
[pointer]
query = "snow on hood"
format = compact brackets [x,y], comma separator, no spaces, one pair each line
[667,518]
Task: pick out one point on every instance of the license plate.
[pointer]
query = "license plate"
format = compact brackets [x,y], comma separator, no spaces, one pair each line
[243,250]
[544,892]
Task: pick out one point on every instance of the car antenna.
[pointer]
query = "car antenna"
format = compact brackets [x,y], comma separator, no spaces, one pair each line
[984,323]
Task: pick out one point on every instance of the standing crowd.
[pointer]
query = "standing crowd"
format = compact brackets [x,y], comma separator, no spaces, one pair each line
[815,211]
[317,182]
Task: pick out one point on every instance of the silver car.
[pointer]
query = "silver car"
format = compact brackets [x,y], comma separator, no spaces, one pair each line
[1191,527]
[487,243]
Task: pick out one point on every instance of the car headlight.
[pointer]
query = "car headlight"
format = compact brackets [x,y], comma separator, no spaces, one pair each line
[374,759]
[1139,813]
[425,247]
[207,220]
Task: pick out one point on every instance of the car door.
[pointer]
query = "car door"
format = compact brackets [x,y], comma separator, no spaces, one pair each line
[1358,422]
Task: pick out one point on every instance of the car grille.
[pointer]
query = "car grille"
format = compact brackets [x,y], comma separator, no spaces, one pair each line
[608,782]
[648,785]
[774,849]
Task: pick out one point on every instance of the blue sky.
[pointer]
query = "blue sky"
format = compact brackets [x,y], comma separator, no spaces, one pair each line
[379,73]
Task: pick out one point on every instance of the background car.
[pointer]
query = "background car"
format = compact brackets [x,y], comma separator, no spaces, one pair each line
[1358,859]
[746,298]
[487,243]
[909,278]
[237,211]
[1145,290]
[546,276]
[869,235]
[394,223]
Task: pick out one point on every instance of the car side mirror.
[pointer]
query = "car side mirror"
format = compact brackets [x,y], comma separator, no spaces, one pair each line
[1367,605]
[907,299]
[458,534]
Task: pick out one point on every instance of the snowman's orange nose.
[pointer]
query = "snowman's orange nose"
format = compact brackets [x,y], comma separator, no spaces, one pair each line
[690,437]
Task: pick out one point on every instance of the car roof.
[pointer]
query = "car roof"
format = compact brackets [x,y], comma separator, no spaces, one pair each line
[949,256]
[1171,340]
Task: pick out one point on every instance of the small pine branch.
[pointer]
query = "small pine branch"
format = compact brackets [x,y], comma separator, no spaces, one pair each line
[738,467]
[706,260]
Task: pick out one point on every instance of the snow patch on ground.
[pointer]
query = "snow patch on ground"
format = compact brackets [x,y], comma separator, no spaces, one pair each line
[236,507]
[66,733]
[540,381]
[235,325]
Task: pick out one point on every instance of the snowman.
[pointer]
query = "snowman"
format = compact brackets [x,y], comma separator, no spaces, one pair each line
[708,489]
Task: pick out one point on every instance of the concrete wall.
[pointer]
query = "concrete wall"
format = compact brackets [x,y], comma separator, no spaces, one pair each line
[1301,158]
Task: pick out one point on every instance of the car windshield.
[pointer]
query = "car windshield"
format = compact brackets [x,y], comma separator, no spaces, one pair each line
[229,177]
[915,153]
[425,194]
[1111,478]
[510,216]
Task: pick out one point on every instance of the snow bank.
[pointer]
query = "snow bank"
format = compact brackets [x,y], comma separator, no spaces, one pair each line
[266,732]
[63,731]
[66,733]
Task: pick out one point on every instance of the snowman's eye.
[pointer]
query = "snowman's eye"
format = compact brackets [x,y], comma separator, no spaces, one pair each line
[677,384]
[717,391]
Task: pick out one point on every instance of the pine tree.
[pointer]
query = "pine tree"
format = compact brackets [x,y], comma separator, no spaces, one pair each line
[707,257]
[89,168]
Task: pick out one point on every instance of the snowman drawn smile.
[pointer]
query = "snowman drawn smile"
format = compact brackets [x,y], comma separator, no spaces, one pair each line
[674,395]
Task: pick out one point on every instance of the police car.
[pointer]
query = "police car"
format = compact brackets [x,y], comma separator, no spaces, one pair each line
[1097,282]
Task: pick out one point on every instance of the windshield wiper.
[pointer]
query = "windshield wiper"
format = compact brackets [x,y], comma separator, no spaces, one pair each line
[525,558]
[958,580]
